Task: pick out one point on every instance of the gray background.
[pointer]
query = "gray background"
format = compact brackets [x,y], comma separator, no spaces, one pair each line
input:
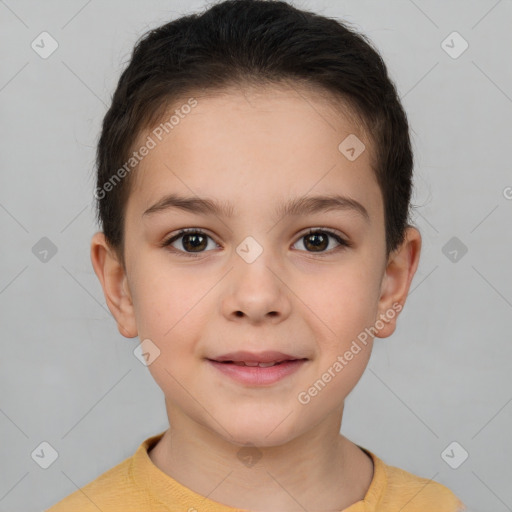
[70,379]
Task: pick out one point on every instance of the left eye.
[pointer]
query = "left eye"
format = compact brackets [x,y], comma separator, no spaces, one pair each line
[195,241]
[318,239]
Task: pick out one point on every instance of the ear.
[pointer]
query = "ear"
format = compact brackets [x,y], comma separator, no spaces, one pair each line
[114,282]
[400,269]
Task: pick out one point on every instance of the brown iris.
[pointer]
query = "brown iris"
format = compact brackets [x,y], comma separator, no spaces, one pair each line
[319,240]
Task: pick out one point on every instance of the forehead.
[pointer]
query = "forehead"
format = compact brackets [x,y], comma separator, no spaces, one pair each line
[246,146]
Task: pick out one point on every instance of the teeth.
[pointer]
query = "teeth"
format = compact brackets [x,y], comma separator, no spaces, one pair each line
[254,363]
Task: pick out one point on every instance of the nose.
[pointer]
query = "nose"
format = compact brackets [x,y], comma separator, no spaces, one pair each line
[255,292]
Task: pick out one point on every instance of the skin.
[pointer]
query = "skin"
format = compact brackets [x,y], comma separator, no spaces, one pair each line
[257,149]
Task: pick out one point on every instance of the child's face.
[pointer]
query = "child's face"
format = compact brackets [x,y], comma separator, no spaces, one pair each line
[256,152]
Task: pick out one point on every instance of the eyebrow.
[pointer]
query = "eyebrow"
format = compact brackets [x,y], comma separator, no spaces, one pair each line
[295,207]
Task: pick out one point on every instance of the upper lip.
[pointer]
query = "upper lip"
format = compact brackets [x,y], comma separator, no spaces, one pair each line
[268,356]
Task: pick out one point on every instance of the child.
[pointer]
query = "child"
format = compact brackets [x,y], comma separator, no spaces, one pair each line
[254,183]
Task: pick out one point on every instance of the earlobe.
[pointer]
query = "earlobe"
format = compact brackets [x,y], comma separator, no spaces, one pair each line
[113,279]
[401,267]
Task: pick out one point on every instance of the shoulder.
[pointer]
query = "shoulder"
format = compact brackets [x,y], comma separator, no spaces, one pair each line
[123,488]
[416,494]
[111,490]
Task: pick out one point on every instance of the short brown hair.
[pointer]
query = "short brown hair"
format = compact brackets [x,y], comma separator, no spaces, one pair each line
[238,42]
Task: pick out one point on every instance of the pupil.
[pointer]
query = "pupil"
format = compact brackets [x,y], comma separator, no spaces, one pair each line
[318,244]
[195,243]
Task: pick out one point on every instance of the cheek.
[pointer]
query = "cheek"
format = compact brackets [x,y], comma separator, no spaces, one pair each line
[346,302]
[171,313]
[166,299]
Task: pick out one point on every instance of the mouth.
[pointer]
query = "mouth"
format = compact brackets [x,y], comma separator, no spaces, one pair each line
[257,363]
[266,358]
[257,369]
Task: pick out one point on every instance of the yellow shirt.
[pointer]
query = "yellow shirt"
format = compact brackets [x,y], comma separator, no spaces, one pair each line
[137,485]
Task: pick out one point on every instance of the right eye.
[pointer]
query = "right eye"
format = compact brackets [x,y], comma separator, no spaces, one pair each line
[193,240]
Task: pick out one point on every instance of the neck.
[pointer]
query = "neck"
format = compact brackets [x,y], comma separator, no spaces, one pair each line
[319,470]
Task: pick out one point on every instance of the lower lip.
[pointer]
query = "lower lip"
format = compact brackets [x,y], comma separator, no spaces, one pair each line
[256,375]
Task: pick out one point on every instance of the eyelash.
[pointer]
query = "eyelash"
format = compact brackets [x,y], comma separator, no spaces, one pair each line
[166,243]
